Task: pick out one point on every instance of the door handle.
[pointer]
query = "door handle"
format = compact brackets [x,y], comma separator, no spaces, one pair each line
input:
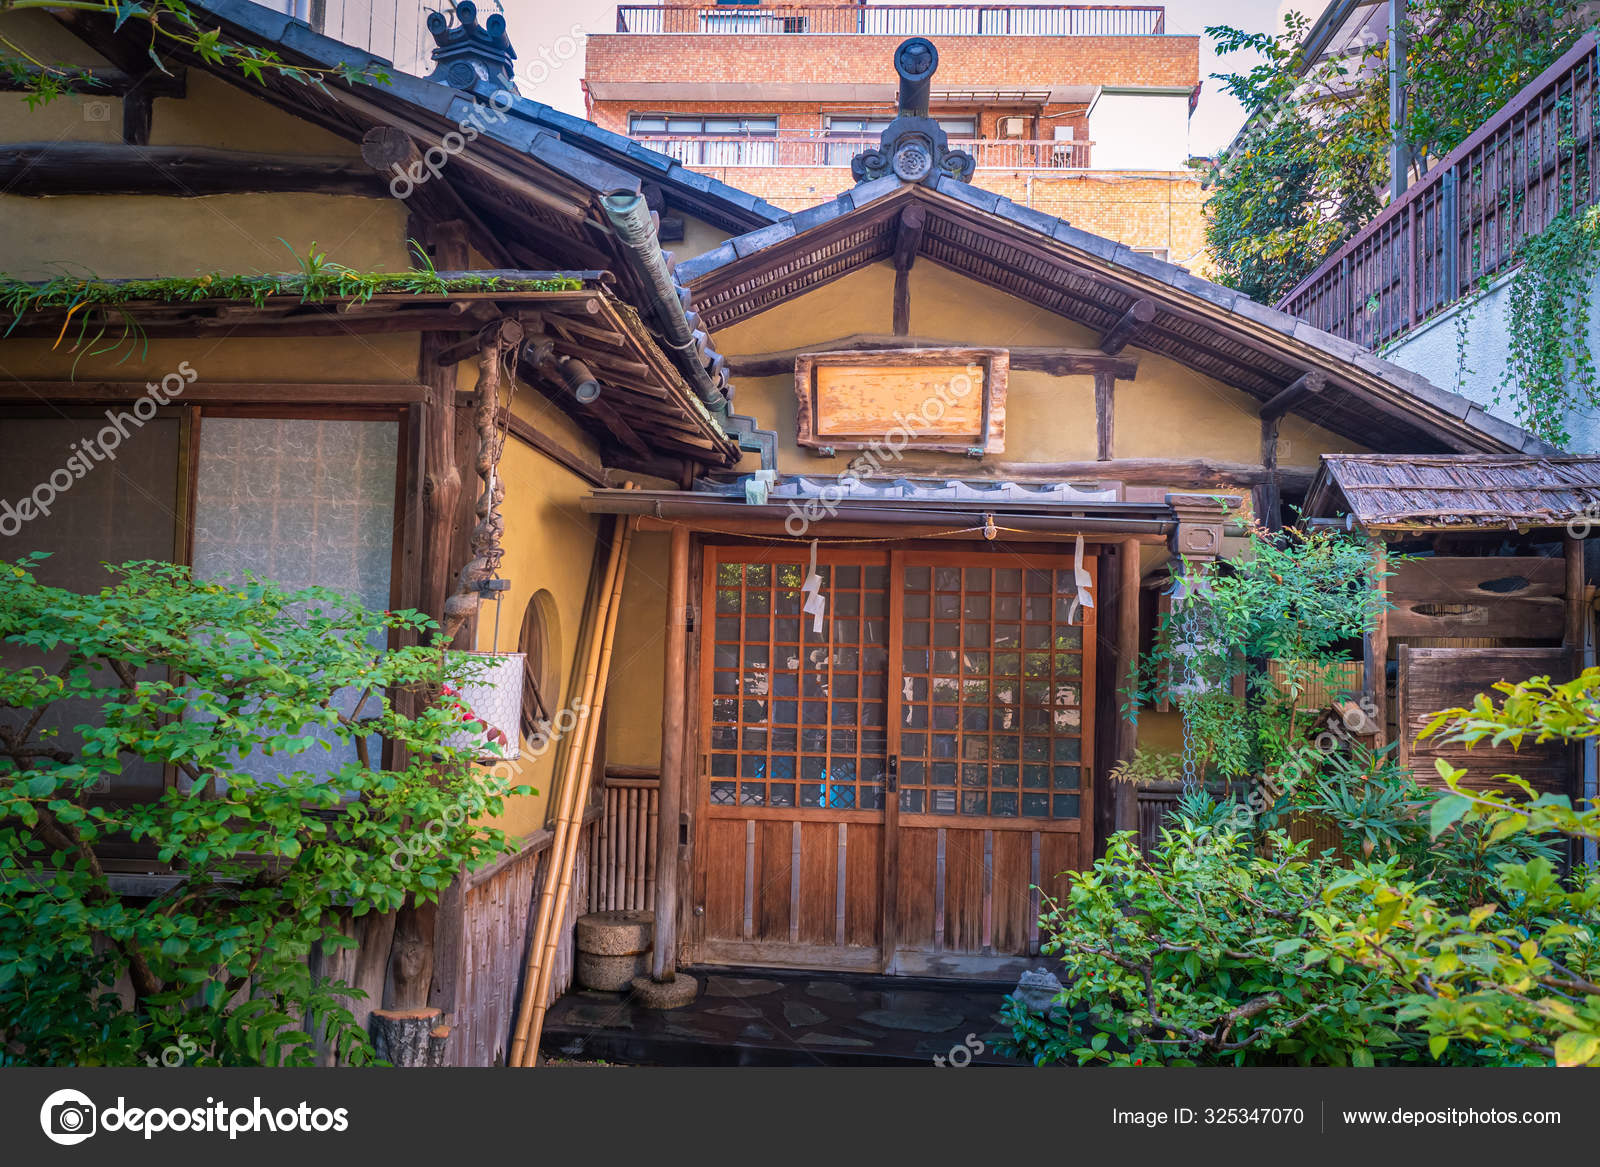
[892,781]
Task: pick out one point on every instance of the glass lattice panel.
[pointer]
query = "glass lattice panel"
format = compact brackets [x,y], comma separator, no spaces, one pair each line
[992,717]
[799,718]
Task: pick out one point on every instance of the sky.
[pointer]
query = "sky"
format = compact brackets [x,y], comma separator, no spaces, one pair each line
[548,36]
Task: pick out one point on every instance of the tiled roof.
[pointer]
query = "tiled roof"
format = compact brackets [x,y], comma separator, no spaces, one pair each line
[1094,280]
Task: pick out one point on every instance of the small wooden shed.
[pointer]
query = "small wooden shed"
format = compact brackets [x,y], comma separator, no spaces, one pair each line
[1486,555]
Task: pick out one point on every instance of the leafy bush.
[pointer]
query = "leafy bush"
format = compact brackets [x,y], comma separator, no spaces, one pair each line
[1380,810]
[303,759]
[1203,954]
[1299,599]
[1520,970]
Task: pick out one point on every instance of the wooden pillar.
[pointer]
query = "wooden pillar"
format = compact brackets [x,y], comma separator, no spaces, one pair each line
[1129,576]
[423,934]
[1105,410]
[442,482]
[674,703]
[1573,636]
[1198,537]
[1268,497]
[1375,649]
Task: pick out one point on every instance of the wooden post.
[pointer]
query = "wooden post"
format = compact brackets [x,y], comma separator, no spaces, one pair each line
[411,956]
[412,1038]
[674,688]
[441,485]
[1375,650]
[1267,494]
[908,239]
[1573,637]
[1105,408]
[1129,576]
[416,978]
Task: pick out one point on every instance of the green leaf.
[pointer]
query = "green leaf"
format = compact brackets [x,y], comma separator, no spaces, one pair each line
[1577,1049]
[1447,810]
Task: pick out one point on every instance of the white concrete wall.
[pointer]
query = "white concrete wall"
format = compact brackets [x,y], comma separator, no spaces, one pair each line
[1140,131]
[1432,351]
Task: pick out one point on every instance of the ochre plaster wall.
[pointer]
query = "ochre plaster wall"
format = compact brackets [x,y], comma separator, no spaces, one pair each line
[549,545]
[1168,411]
[119,236]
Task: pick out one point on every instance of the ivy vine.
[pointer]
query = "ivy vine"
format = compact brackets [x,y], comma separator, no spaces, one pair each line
[1550,368]
[165,26]
[318,279]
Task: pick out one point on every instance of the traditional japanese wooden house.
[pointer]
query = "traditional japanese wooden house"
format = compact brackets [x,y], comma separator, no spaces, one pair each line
[985,417]
[449,246]
[901,465]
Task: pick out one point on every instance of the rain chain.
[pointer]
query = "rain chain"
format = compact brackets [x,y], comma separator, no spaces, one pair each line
[1187,614]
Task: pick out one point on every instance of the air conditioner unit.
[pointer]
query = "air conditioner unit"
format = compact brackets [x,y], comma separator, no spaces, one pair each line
[1012,127]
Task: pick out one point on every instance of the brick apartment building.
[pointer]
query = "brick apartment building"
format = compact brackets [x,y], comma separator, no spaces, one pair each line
[1080,111]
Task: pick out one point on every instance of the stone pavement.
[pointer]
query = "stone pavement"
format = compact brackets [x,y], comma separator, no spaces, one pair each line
[765,1018]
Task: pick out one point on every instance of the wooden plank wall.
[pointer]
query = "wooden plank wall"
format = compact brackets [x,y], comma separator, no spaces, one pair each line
[1508,598]
[1432,679]
[797,892]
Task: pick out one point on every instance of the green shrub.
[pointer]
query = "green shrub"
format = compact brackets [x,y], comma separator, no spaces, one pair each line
[1519,971]
[1202,954]
[305,762]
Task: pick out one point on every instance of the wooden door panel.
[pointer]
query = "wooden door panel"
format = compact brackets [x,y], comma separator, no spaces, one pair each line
[863,902]
[917,919]
[722,856]
[965,891]
[1059,854]
[795,751]
[774,866]
[1012,909]
[818,919]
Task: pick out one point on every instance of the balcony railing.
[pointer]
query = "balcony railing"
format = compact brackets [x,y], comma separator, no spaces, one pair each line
[1467,218]
[899,20]
[793,148]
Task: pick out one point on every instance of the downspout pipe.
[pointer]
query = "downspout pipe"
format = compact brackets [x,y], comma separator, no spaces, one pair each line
[631,221]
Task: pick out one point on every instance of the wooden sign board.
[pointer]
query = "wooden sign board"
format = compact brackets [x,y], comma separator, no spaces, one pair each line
[946,399]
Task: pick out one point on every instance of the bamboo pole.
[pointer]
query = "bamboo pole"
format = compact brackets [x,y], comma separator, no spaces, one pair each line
[570,758]
[563,892]
[553,905]
[563,843]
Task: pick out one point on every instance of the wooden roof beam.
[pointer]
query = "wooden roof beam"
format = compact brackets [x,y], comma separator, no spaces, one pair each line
[1128,326]
[1060,361]
[97,82]
[1309,385]
[908,236]
[106,168]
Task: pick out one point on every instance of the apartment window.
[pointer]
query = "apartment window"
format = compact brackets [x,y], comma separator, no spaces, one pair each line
[710,140]
[731,20]
[858,128]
